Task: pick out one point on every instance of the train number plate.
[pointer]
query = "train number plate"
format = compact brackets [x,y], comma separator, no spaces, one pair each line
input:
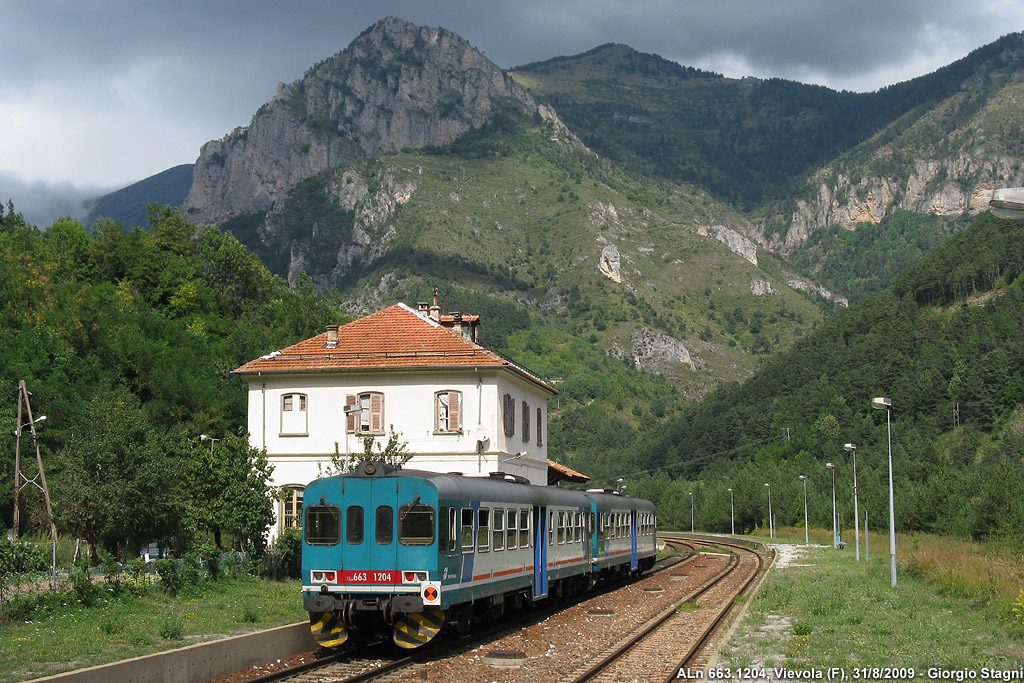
[370,577]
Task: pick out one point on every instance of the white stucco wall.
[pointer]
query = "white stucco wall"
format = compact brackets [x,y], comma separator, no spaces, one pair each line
[409,407]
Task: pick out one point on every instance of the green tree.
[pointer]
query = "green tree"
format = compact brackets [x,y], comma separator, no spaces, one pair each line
[395,452]
[121,477]
[231,493]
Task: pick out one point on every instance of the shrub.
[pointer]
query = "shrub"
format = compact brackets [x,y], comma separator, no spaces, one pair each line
[172,627]
[86,592]
[170,575]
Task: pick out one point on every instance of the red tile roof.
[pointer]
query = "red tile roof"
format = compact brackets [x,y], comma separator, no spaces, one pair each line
[559,472]
[395,337]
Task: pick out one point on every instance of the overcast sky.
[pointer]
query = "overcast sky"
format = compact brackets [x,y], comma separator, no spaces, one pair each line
[95,95]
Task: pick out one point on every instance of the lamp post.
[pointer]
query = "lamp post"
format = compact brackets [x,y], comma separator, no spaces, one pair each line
[349,410]
[807,540]
[771,523]
[885,403]
[852,448]
[732,513]
[691,512]
[520,454]
[835,526]
[204,437]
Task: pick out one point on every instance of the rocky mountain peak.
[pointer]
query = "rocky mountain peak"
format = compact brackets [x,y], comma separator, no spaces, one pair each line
[397,85]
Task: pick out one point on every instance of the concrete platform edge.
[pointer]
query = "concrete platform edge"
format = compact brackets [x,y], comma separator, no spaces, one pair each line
[200,662]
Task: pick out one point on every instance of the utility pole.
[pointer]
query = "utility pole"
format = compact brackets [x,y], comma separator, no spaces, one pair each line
[21,480]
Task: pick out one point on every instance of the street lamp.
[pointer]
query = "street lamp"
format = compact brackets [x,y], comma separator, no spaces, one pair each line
[732,513]
[771,523]
[18,431]
[520,454]
[807,540]
[835,526]
[1007,202]
[691,512]
[618,483]
[885,403]
[852,448]
[349,410]
[204,437]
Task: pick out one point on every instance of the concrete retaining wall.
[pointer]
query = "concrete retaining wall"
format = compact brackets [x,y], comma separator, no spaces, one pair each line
[200,662]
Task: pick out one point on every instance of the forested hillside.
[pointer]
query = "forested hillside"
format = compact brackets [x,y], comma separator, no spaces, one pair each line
[125,340]
[943,343]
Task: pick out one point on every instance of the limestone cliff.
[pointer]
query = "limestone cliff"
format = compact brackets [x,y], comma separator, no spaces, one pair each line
[944,158]
[395,86]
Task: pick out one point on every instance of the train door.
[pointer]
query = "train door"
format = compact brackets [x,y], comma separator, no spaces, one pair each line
[540,552]
[632,540]
[382,541]
[588,534]
[358,515]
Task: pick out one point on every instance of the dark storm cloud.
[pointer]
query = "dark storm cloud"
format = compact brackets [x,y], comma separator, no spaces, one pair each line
[111,91]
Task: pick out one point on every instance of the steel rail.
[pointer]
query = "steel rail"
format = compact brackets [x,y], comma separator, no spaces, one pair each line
[654,624]
[488,633]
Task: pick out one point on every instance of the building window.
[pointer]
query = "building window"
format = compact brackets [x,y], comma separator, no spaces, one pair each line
[526,422]
[540,425]
[508,412]
[293,415]
[369,419]
[291,508]
[448,411]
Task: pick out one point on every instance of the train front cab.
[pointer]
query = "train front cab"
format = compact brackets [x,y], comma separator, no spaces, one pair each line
[370,553]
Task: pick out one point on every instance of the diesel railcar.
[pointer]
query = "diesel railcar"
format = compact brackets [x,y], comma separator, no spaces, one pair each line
[407,553]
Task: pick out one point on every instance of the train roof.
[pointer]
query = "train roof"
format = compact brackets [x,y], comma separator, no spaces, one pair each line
[497,486]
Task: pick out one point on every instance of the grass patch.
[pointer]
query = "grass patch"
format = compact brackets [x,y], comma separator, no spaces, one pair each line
[836,612]
[67,635]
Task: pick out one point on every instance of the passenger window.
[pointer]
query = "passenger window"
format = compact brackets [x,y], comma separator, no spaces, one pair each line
[498,542]
[524,529]
[323,525]
[416,524]
[354,525]
[510,530]
[483,537]
[551,528]
[453,529]
[467,530]
[561,527]
[385,529]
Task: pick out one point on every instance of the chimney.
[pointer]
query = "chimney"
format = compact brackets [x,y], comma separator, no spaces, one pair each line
[435,308]
[332,336]
[423,307]
[457,324]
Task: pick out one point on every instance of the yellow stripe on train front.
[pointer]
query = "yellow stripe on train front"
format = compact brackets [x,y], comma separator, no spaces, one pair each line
[418,628]
[327,629]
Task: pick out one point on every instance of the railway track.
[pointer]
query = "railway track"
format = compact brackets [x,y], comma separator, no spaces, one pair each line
[641,656]
[358,665]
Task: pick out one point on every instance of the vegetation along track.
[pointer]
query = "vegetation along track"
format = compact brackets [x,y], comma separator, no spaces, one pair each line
[379,662]
[691,623]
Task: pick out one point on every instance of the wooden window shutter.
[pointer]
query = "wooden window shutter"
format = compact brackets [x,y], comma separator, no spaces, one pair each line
[351,419]
[509,415]
[376,413]
[454,411]
[540,423]
[526,422]
[439,410]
